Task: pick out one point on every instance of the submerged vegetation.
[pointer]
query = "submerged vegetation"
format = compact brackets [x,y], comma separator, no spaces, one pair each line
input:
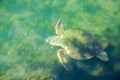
[25,24]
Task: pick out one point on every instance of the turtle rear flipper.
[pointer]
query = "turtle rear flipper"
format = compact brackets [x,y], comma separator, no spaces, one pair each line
[63,59]
[103,56]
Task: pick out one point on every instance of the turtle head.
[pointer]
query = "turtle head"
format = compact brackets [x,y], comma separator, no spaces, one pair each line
[55,40]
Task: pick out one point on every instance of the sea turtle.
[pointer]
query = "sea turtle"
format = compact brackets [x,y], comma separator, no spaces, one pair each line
[78,44]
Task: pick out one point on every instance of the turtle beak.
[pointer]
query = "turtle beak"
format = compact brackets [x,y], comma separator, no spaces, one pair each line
[47,40]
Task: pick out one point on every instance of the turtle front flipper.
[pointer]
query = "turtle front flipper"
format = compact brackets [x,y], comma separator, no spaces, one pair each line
[103,56]
[59,27]
[64,59]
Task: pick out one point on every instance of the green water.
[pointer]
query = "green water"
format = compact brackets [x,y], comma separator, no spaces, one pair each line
[25,24]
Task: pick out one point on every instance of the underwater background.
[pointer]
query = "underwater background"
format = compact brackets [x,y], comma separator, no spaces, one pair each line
[25,25]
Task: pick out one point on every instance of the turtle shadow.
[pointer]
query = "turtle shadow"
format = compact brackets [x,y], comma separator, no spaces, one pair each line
[83,74]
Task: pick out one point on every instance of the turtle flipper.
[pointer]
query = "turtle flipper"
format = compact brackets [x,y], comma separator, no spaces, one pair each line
[63,59]
[103,56]
[59,27]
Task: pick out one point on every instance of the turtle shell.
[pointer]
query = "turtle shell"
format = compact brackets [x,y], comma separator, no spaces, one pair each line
[81,43]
